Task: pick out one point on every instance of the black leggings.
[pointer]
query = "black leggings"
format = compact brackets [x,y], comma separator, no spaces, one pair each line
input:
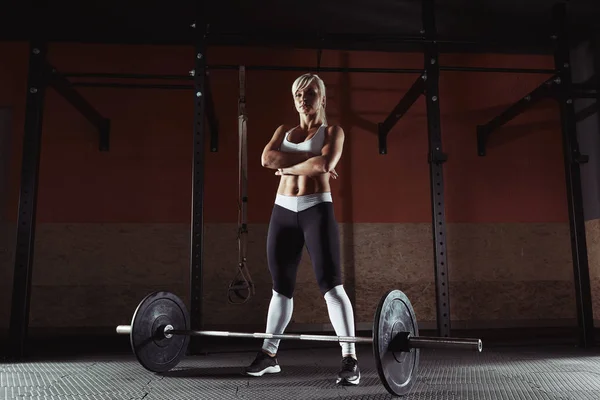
[289,231]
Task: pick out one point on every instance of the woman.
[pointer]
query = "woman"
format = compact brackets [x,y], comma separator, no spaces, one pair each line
[305,157]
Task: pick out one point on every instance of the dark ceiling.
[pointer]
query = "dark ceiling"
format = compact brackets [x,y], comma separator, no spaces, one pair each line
[512,25]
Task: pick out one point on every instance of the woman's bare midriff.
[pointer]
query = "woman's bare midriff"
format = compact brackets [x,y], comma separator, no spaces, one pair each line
[291,185]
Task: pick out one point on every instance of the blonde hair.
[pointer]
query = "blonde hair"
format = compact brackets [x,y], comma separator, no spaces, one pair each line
[303,81]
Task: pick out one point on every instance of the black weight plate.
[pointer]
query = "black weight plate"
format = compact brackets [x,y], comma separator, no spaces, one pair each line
[153,350]
[397,370]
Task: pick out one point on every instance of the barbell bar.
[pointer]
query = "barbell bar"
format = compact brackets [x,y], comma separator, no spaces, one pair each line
[421,342]
[160,331]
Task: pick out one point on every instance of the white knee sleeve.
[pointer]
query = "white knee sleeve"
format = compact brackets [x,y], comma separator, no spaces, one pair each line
[341,316]
[278,317]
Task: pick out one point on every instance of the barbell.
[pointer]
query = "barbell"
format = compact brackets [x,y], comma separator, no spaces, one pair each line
[160,333]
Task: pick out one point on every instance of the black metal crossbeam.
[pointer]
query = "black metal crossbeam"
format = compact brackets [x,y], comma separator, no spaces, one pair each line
[498,70]
[502,42]
[113,75]
[235,67]
[315,68]
[525,103]
[69,93]
[118,85]
[374,70]
[409,98]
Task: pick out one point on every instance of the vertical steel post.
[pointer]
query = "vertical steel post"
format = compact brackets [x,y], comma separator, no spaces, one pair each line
[30,164]
[572,159]
[197,228]
[436,162]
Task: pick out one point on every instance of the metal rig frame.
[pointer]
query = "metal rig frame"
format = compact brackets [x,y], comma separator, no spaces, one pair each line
[41,75]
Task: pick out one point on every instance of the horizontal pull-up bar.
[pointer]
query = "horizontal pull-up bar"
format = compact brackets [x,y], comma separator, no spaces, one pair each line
[248,68]
[499,70]
[383,70]
[126,76]
[117,85]
[317,69]
[305,69]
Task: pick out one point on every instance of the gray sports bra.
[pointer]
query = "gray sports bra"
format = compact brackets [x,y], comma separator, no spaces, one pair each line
[312,145]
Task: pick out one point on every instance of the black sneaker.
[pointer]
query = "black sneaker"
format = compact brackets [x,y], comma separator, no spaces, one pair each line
[263,364]
[350,373]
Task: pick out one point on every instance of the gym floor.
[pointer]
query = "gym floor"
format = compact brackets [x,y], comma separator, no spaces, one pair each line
[308,372]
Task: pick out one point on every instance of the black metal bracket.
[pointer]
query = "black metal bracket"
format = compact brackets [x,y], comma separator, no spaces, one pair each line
[211,116]
[587,111]
[585,91]
[437,157]
[65,88]
[550,88]
[543,91]
[409,98]
[589,90]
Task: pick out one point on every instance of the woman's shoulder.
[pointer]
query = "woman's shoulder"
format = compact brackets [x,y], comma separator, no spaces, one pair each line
[334,130]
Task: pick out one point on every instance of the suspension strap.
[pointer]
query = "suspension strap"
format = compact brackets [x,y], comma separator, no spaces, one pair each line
[242,287]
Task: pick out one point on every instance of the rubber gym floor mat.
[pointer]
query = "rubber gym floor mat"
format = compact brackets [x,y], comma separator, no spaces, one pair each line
[494,374]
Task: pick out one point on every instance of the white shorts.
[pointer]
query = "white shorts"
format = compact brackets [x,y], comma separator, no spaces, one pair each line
[301,203]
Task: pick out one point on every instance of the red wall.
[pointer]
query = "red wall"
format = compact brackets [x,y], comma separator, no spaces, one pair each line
[146,176]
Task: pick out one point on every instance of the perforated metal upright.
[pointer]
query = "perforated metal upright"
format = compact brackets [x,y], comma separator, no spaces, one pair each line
[197,220]
[436,162]
[572,160]
[32,143]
